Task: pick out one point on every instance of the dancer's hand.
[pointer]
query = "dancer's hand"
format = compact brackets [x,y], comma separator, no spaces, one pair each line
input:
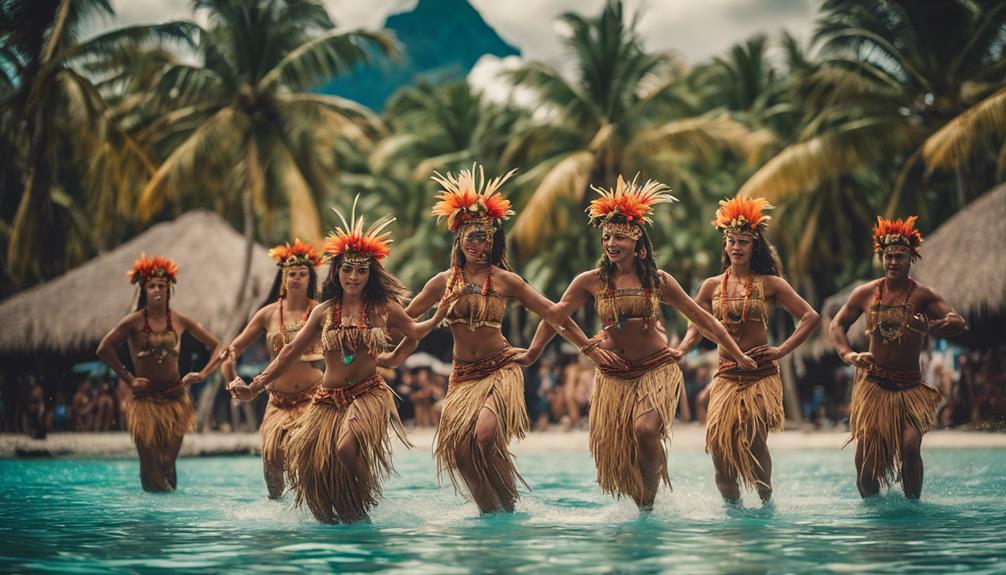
[676,353]
[746,362]
[861,360]
[765,353]
[607,358]
[192,377]
[525,358]
[240,390]
[141,384]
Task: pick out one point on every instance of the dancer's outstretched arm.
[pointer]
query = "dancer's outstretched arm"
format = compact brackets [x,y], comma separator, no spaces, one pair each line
[290,353]
[231,353]
[427,297]
[575,296]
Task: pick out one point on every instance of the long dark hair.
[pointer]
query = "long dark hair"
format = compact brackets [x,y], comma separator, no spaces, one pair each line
[764,258]
[277,285]
[497,252]
[381,288]
[646,267]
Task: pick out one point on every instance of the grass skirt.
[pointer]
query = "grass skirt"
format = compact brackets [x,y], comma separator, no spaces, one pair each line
[317,477]
[614,407]
[739,410]
[879,415]
[502,391]
[156,420]
[280,416]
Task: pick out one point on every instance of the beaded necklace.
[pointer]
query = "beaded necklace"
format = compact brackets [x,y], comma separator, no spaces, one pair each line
[282,325]
[891,320]
[735,327]
[361,324]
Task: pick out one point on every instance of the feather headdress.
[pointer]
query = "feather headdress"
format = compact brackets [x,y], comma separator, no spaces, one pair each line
[468,199]
[145,268]
[298,254]
[743,215]
[355,244]
[888,233]
[628,206]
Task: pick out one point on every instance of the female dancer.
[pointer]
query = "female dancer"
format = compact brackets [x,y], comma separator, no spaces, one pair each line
[284,314]
[745,405]
[484,408]
[161,409]
[634,398]
[339,451]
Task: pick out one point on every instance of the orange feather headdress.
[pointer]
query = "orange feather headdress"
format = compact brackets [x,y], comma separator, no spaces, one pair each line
[888,233]
[145,268]
[356,245]
[743,215]
[298,254]
[628,206]
[469,201]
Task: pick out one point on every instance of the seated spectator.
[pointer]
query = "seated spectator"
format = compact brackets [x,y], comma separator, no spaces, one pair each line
[104,407]
[82,408]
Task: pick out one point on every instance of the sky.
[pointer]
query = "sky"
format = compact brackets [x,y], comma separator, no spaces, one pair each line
[696,29]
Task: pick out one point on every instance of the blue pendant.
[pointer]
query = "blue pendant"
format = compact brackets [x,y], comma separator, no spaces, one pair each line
[348,359]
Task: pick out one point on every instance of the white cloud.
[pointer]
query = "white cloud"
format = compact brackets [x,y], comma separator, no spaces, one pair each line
[486,77]
[697,30]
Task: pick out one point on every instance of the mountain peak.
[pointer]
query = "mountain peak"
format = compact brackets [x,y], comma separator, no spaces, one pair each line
[441,40]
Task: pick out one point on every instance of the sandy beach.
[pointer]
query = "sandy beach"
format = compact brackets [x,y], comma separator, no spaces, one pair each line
[686,436]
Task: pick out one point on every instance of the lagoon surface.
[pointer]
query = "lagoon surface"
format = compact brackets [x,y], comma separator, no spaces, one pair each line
[73,515]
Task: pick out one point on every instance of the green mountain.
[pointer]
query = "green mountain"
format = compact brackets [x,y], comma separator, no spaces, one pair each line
[441,40]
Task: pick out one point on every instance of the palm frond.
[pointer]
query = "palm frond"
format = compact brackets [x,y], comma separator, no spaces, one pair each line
[320,59]
[568,179]
[957,139]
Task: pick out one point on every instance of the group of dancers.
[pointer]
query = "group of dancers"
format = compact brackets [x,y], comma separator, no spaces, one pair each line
[327,429]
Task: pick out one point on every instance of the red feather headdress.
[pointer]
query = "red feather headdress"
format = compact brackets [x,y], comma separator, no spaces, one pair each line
[628,206]
[356,244]
[145,268]
[298,254]
[465,200]
[889,233]
[742,215]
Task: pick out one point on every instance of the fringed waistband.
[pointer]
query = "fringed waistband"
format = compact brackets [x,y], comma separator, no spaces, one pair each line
[893,379]
[629,370]
[168,393]
[290,400]
[342,397]
[482,368]
[730,370]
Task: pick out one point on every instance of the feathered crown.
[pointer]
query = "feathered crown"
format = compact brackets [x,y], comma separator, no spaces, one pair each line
[889,233]
[358,245]
[466,201]
[627,207]
[743,215]
[145,268]
[298,254]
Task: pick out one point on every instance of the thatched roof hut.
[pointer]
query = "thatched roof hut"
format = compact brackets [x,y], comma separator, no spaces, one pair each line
[819,344]
[964,260]
[74,311]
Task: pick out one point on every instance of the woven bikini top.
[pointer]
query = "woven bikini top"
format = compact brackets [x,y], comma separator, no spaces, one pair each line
[159,345]
[350,336]
[614,306]
[477,306]
[276,341]
[757,308]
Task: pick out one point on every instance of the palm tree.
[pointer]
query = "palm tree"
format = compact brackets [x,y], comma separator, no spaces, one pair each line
[248,107]
[611,117]
[48,101]
[891,75]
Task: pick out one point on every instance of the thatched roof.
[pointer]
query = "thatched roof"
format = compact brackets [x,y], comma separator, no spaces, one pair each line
[75,310]
[819,344]
[964,258]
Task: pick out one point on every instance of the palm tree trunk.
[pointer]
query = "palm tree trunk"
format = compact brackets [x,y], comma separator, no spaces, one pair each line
[242,304]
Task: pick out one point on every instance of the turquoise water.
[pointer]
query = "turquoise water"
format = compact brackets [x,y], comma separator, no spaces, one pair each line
[89,516]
